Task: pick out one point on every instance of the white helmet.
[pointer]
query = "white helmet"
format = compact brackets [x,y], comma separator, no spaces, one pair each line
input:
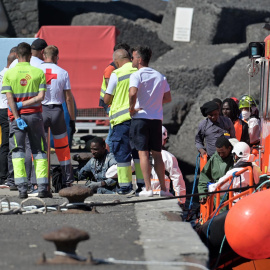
[241,149]
[164,135]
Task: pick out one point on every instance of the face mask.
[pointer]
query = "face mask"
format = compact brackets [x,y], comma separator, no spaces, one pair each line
[245,114]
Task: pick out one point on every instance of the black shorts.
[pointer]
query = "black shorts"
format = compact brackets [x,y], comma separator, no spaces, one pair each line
[146,135]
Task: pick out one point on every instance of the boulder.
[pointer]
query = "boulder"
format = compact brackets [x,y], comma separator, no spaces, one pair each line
[142,31]
[182,145]
[204,23]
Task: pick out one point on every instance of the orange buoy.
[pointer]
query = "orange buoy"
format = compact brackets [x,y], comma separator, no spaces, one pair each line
[247,226]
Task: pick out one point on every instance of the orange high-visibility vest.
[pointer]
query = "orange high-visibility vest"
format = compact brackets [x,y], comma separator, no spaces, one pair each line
[238,129]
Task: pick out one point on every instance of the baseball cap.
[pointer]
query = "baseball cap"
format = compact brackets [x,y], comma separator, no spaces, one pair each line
[39,44]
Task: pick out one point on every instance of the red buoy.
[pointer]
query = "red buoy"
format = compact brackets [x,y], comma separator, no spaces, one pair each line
[247,226]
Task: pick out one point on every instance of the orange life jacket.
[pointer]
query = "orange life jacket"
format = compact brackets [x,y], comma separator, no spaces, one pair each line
[238,129]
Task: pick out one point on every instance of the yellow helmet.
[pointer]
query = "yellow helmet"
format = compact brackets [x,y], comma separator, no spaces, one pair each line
[247,101]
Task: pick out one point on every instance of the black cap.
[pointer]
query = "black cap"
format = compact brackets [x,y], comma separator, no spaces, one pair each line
[208,107]
[39,44]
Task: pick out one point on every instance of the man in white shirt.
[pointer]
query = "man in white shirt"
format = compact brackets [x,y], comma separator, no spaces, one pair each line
[58,91]
[4,124]
[148,90]
[37,50]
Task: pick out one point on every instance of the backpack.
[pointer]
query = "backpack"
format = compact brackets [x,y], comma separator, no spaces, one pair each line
[57,179]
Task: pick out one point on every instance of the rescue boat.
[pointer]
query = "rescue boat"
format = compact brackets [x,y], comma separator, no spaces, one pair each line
[239,238]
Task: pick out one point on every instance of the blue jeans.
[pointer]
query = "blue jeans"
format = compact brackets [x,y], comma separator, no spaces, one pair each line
[103,190]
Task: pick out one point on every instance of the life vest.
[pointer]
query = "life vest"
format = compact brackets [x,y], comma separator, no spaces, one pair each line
[238,129]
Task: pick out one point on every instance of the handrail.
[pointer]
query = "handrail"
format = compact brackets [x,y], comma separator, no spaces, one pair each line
[207,209]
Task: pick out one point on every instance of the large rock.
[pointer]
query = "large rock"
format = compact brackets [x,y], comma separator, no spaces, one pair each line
[256,32]
[238,82]
[142,31]
[182,145]
[204,24]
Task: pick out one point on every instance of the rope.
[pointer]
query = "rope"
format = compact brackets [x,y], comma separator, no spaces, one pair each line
[195,180]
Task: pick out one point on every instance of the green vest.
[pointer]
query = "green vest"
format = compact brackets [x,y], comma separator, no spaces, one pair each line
[119,111]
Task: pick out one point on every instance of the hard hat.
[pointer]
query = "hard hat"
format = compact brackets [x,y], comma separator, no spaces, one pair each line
[164,134]
[241,149]
[247,102]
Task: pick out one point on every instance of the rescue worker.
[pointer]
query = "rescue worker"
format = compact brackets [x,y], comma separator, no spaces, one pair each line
[211,128]
[117,96]
[4,124]
[242,159]
[106,76]
[230,109]
[217,166]
[249,112]
[58,91]
[25,88]
[37,50]
[98,166]
[172,172]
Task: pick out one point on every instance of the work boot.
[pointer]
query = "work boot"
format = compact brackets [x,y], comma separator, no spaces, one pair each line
[23,195]
[45,194]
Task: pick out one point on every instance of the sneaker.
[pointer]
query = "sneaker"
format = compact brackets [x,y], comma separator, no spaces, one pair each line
[165,194]
[13,188]
[23,195]
[33,192]
[44,194]
[146,193]
[128,192]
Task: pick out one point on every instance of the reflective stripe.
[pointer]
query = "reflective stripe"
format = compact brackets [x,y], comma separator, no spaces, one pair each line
[42,86]
[102,91]
[125,164]
[6,88]
[124,184]
[122,78]
[28,94]
[20,180]
[65,162]
[40,156]
[140,181]
[18,155]
[43,180]
[15,141]
[119,114]
[60,136]
[124,174]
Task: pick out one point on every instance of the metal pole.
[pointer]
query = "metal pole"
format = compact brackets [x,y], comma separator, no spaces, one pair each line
[49,157]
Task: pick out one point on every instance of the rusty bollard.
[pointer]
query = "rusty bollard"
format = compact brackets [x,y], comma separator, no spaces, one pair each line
[66,241]
[76,194]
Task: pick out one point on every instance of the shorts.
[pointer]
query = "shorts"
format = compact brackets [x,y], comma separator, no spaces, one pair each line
[146,135]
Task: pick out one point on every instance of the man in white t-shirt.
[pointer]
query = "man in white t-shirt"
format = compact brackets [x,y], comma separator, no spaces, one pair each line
[4,124]
[148,90]
[58,91]
[37,50]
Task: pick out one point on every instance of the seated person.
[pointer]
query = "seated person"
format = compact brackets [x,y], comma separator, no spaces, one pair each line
[242,158]
[217,166]
[172,172]
[97,166]
[211,128]
[230,109]
[249,112]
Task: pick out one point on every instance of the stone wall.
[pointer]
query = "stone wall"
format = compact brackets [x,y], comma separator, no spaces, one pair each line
[22,17]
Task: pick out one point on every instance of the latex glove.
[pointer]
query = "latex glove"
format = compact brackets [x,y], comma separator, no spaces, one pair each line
[212,187]
[21,124]
[18,105]
[72,126]
[94,185]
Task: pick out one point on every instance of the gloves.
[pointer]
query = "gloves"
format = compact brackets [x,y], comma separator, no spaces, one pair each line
[94,185]
[212,187]
[72,126]
[20,123]
[18,105]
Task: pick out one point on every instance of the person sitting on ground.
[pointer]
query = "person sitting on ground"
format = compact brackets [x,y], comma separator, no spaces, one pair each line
[211,128]
[230,109]
[249,112]
[98,166]
[216,167]
[173,173]
[242,159]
